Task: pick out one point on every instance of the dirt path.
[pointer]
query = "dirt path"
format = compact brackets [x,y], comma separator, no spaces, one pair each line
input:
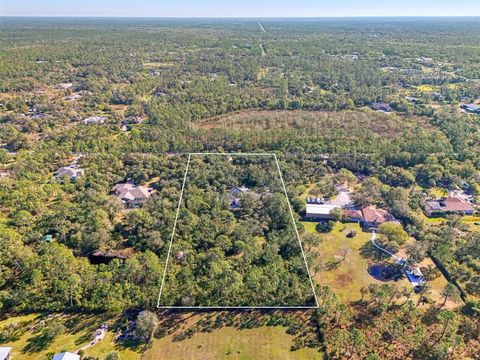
[263,50]
[99,336]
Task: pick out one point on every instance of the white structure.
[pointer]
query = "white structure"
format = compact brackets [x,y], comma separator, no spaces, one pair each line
[320,211]
[66,356]
[65,86]
[73,173]
[5,352]
[132,195]
[94,120]
[73,97]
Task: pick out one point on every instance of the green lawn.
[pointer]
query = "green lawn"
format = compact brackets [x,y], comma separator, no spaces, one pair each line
[349,276]
[29,344]
[228,343]
[472,221]
[102,349]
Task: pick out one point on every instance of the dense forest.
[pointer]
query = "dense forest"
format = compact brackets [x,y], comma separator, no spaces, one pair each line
[377,100]
[237,249]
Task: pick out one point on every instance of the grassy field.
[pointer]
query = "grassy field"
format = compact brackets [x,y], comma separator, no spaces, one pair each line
[232,344]
[473,221]
[350,275]
[426,88]
[29,344]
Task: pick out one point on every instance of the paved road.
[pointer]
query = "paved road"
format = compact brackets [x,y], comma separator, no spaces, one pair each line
[261,27]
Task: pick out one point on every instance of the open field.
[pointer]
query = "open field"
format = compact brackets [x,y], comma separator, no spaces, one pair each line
[229,343]
[347,277]
[29,344]
[349,122]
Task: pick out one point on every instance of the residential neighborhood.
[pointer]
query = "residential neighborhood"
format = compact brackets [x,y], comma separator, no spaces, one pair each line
[265,180]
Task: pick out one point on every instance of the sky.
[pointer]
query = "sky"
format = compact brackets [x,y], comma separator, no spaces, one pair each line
[240,8]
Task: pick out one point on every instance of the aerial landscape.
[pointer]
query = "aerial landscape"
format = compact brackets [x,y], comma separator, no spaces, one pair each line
[201,185]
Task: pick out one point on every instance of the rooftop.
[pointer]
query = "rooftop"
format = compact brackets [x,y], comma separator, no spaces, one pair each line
[372,214]
[66,356]
[5,352]
[320,209]
[129,191]
[453,204]
[69,171]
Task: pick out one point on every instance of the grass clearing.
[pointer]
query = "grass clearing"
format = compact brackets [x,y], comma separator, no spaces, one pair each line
[28,343]
[160,65]
[426,88]
[232,344]
[349,275]
[473,221]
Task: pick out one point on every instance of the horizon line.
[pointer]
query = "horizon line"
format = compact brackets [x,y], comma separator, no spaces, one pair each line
[244,17]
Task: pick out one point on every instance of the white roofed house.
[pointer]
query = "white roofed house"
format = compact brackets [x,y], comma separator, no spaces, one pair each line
[94,120]
[66,356]
[5,352]
[131,194]
[320,211]
[64,86]
[72,172]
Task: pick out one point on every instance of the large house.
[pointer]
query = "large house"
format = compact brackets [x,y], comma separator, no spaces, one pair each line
[369,217]
[66,356]
[384,107]
[131,194]
[72,172]
[235,194]
[5,352]
[373,217]
[448,205]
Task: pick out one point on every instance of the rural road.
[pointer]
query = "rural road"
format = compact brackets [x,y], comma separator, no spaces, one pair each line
[263,50]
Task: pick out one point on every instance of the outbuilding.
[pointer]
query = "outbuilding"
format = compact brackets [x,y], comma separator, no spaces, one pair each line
[5,352]
[66,356]
[320,211]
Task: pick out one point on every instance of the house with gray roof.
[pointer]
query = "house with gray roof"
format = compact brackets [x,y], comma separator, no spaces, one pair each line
[132,195]
[94,120]
[73,172]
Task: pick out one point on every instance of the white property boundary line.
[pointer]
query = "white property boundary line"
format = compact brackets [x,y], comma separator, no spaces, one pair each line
[175,226]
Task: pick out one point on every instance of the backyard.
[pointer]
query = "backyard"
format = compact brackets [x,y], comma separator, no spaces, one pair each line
[345,262]
[28,341]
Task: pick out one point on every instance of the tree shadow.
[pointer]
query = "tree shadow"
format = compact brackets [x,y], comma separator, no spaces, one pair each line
[37,343]
[300,325]
[332,264]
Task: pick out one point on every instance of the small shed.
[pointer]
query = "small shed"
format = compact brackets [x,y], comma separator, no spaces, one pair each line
[5,352]
[66,356]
